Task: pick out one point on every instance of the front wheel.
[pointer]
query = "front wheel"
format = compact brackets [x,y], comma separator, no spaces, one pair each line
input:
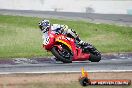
[63,55]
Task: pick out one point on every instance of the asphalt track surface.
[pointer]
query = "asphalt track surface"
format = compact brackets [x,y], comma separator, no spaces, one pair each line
[110,63]
[117,19]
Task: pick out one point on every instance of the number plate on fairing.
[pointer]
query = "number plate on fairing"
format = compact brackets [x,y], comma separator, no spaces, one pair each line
[46,40]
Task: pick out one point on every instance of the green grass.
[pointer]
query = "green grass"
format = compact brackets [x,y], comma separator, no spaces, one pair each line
[21,37]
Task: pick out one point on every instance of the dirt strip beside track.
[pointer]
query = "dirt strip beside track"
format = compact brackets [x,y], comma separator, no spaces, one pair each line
[61,78]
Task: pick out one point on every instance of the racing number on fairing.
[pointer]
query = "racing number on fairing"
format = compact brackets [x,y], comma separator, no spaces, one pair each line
[46,40]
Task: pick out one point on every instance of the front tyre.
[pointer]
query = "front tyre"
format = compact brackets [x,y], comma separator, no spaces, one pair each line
[63,55]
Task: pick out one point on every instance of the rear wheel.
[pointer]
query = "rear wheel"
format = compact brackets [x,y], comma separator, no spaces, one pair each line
[95,55]
[63,55]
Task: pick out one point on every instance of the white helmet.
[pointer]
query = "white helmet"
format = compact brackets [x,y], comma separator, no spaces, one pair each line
[44,25]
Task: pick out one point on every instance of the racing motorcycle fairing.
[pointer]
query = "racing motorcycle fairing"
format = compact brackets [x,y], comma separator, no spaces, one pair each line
[64,47]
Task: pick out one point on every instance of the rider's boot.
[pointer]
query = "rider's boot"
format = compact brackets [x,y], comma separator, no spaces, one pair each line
[82,43]
[86,46]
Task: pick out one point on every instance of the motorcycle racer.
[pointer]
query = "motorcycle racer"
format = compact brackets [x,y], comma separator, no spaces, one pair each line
[55,39]
[45,25]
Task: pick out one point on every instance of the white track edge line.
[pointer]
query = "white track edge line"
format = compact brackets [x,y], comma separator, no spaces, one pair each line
[41,72]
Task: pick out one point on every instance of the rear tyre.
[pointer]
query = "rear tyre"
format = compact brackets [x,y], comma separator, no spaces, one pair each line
[65,56]
[95,56]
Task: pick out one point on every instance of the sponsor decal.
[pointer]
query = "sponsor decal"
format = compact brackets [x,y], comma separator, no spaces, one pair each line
[85,80]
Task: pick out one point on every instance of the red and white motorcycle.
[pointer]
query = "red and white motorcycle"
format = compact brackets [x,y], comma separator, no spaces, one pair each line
[66,50]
